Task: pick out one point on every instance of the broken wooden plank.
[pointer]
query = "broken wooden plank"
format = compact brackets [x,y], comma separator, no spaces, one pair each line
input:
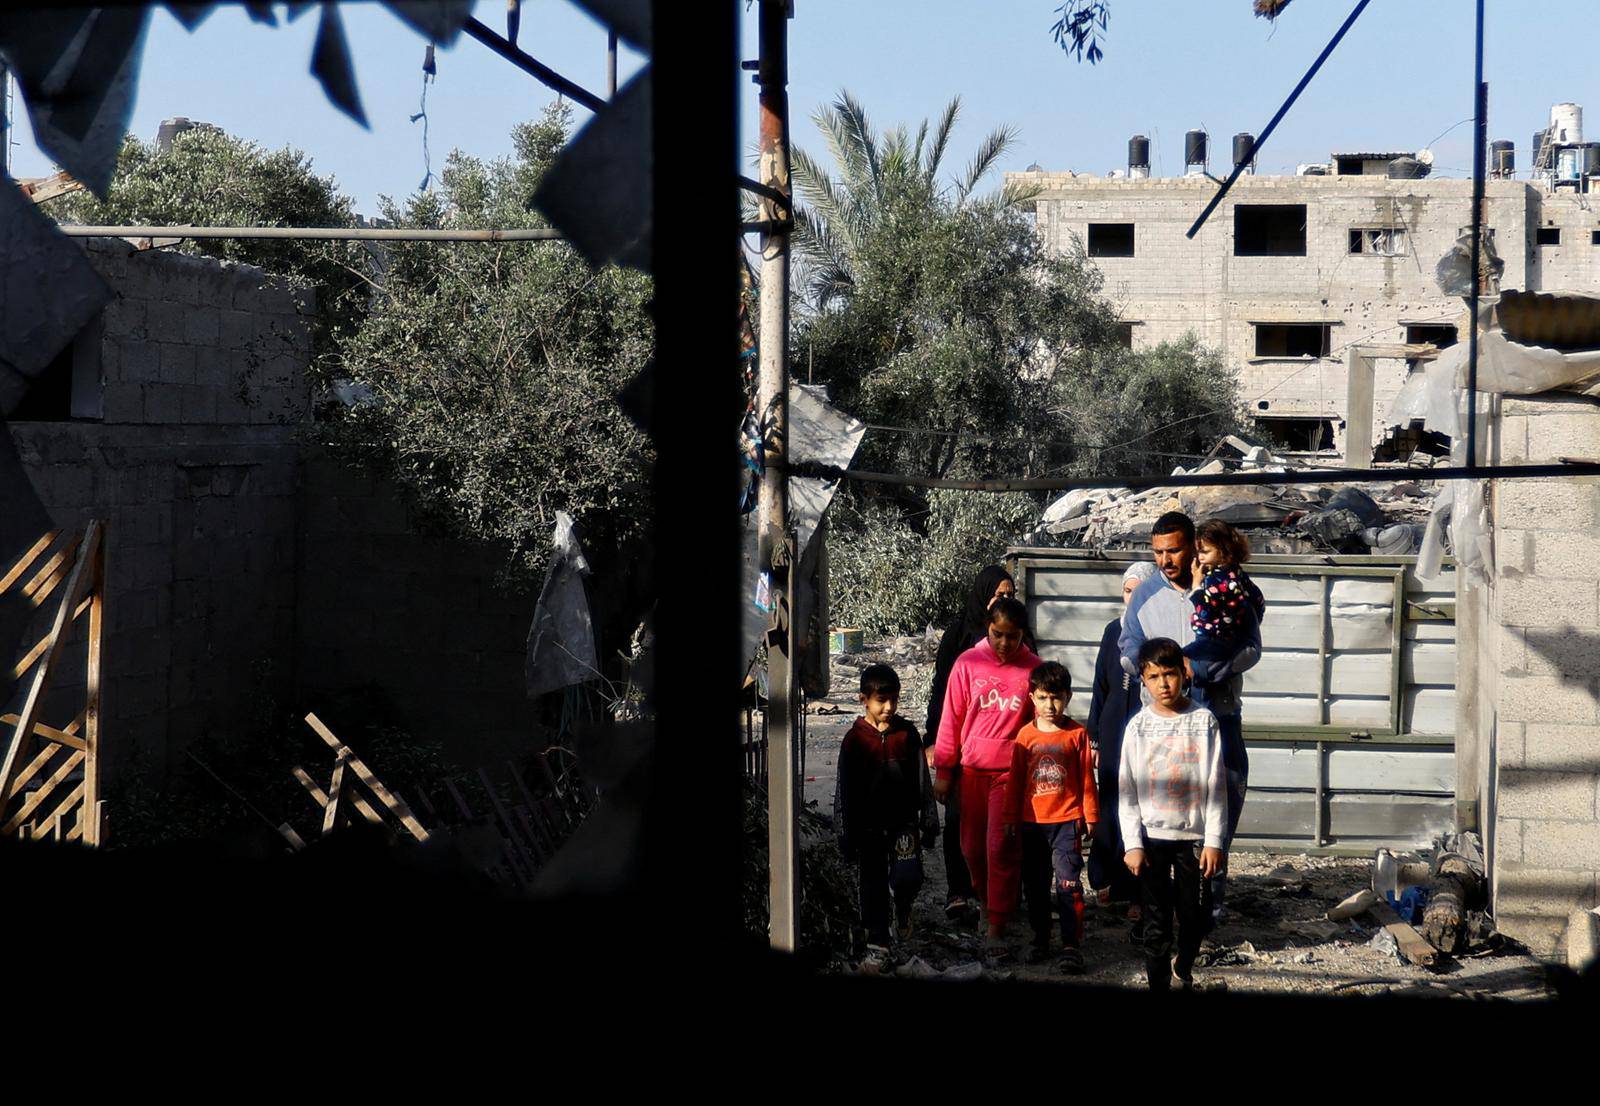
[1413,946]
[513,832]
[295,840]
[51,567]
[38,797]
[320,797]
[81,574]
[93,675]
[330,812]
[14,573]
[35,766]
[67,737]
[396,805]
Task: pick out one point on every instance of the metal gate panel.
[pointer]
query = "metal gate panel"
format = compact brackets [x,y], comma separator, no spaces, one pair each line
[1350,712]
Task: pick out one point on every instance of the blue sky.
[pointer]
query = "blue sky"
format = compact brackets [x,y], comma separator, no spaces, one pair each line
[1401,78]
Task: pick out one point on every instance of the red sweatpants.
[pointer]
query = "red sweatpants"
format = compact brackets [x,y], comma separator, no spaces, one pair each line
[995,863]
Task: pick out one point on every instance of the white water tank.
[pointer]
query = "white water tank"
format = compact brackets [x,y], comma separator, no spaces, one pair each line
[1566,124]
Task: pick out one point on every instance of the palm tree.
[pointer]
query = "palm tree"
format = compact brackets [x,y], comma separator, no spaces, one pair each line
[877,173]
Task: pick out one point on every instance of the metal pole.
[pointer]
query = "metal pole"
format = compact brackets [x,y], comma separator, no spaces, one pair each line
[778,554]
[1480,131]
[5,118]
[611,65]
[331,234]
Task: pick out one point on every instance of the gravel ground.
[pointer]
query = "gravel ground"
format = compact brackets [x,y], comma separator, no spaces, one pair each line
[1257,948]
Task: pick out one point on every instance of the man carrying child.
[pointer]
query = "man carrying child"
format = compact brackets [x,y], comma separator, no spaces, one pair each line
[883,806]
[1172,801]
[1051,803]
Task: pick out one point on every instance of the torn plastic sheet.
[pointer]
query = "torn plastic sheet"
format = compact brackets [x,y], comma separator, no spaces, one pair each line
[331,64]
[819,433]
[77,68]
[48,289]
[598,192]
[561,647]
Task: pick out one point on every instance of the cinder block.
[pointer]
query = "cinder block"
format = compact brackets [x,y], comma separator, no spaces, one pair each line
[1574,556]
[1546,795]
[1555,504]
[1507,839]
[136,362]
[177,363]
[238,328]
[1541,933]
[197,403]
[1541,601]
[1528,889]
[1547,699]
[202,327]
[1562,651]
[1513,552]
[1583,939]
[162,403]
[1561,748]
[1562,844]
[166,321]
[122,403]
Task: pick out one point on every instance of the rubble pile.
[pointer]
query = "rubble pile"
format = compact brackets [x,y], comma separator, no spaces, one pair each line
[1387,515]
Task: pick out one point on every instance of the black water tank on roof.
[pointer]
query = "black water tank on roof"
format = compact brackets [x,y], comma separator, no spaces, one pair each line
[1194,148]
[1138,152]
[1407,168]
[1244,148]
[1502,158]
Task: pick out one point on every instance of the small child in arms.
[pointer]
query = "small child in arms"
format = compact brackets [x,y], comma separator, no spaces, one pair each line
[1227,604]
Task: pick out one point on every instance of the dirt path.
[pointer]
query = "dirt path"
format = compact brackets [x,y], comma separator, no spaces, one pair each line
[1258,947]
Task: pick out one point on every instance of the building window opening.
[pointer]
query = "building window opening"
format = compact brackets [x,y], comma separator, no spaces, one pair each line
[1594,238]
[1548,236]
[1269,230]
[1110,239]
[1382,241]
[1293,339]
[1125,335]
[1289,435]
[1442,336]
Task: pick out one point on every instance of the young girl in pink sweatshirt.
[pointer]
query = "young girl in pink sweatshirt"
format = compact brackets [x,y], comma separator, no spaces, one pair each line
[986,703]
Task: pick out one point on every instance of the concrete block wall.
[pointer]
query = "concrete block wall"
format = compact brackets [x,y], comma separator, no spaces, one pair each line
[194,341]
[417,617]
[1544,619]
[1173,285]
[244,565]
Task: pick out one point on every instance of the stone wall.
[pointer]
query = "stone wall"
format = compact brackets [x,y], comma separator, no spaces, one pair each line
[245,566]
[1542,651]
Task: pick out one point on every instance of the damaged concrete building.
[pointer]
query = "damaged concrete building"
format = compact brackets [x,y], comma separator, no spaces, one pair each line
[248,568]
[1292,271]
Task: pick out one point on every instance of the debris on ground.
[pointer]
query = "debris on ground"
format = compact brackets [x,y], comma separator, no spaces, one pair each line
[1386,515]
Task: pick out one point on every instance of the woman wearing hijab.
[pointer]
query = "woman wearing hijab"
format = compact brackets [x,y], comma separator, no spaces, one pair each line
[965,632]
[1115,700]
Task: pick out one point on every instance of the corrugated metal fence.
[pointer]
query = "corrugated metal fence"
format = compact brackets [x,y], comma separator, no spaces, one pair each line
[1349,717]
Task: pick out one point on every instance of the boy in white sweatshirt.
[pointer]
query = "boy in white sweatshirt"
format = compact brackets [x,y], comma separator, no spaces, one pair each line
[1172,803]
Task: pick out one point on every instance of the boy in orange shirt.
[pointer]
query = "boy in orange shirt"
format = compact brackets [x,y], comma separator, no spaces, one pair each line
[1050,795]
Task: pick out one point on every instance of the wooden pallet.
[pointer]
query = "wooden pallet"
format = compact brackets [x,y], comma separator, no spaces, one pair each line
[50,777]
[343,801]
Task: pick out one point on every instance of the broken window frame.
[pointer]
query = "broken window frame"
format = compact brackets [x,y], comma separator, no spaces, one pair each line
[1109,240]
[1260,230]
[1379,241]
[1283,445]
[1262,328]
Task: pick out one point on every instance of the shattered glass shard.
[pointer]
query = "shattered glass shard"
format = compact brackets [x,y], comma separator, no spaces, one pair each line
[598,193]
[48,290]
[330,64]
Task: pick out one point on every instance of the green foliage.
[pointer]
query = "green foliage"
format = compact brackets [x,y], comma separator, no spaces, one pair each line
[208,178]
[891,577]
[493,369]
[944,320]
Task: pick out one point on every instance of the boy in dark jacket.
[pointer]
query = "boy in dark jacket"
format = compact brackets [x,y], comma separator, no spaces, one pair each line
[883,806]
